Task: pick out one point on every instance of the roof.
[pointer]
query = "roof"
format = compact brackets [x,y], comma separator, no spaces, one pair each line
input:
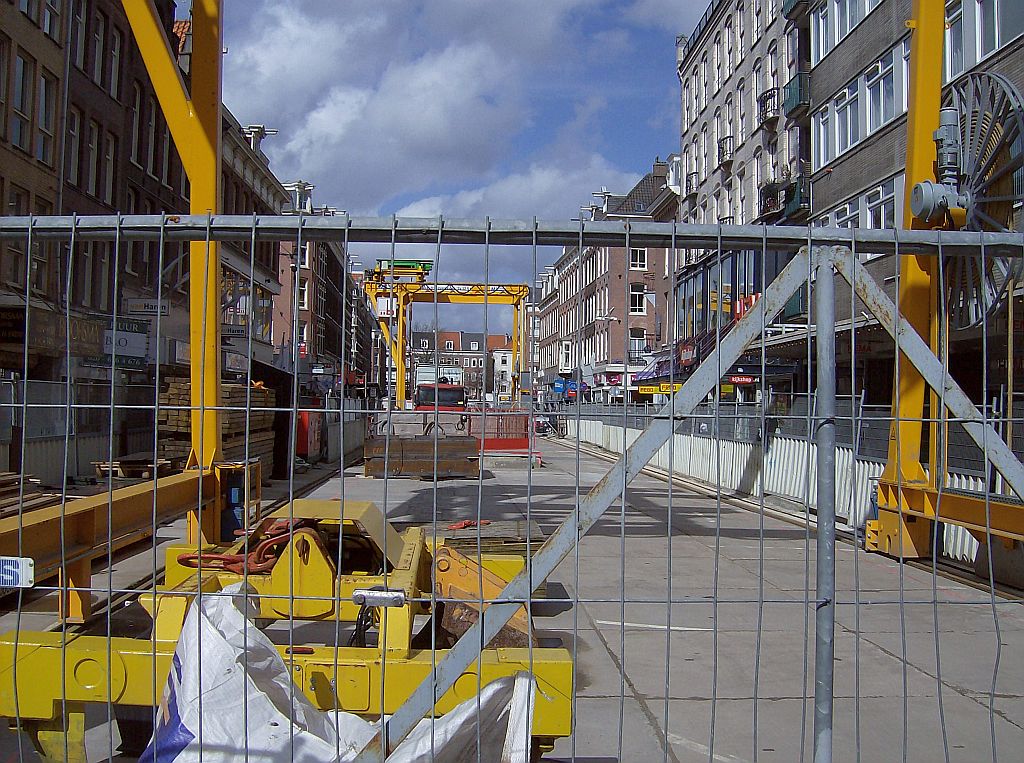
[639,200]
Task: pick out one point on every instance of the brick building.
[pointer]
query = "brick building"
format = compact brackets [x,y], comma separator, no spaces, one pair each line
[603,312]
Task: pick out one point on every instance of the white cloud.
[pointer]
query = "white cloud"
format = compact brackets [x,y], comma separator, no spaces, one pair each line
[675,16]
[550,191]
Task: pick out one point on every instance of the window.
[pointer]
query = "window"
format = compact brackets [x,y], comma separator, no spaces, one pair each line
[21,135]
[474,346]
[741,126]
[84,274]
[5,60]
[954,40]
[40,265]
[303,294]
[822,139]
[449,345]
[637,299]
[99,33]
[14,265]
[51,19]
[882,206]
[136,121]
[74,148]
[93,159]
[165,157]
[109,169]
[132,247]
[881,93]
[151,136]
[78,34]
[30,8]
[638,259]
[116,41]
[847,119]
[637,345]
[848,215]
[45,125]
[424,344]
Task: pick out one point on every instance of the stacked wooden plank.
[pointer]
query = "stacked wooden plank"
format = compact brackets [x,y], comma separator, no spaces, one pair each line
[12,500]
[254,405]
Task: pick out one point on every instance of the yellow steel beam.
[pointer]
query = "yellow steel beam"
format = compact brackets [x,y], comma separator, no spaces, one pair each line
[917,295]
[65,539]
[194,120]
[85,666]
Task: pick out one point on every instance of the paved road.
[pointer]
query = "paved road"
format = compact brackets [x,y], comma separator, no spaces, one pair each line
[741,634]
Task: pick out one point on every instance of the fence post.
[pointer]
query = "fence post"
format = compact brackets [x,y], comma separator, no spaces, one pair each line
[825,438]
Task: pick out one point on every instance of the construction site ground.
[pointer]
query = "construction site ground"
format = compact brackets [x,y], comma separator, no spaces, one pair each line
[724,647]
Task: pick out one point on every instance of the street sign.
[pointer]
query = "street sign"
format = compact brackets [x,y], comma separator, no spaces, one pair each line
[146,307]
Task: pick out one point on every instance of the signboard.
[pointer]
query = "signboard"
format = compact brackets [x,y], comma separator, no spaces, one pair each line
[131,338]
[743,380]
[123,362]
[667,388]
[146,307]
[323,369]
[559,386]
[228,329]
[387,307]
[51,331]
[649,389]
[687,354]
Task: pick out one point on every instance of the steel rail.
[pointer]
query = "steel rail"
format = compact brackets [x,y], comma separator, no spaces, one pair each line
[507,232]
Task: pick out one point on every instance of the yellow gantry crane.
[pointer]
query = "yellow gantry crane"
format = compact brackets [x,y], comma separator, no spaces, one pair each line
[394,285]
[959,170]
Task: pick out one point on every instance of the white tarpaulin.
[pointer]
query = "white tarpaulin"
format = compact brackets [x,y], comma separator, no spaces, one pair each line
[249,707]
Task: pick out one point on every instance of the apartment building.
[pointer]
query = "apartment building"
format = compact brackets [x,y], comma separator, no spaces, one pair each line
[323,308]
[602,312]
[859,55]
[468,349]
[860,67]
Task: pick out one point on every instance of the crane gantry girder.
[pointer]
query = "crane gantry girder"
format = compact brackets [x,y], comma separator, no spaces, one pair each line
[387,282]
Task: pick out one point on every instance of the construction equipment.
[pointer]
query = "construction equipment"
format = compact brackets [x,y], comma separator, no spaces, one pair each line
[394,285]
[315,561]
[964,159]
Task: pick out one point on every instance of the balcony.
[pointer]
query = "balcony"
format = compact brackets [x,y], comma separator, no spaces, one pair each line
[692,181]
[768,109]
[797,98]
[771,202]
[639,358]
[725,152]
[798,200]
[794,9]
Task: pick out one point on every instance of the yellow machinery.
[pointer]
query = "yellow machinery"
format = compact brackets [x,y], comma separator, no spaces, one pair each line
[297,578]
[291,561]
[960,157]
[394,285]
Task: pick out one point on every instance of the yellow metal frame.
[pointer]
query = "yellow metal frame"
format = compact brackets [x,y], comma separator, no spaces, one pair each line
[55,671]
[907,490]
[407,285]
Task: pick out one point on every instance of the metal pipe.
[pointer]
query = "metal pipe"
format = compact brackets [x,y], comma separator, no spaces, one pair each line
[825,439]
[410,230]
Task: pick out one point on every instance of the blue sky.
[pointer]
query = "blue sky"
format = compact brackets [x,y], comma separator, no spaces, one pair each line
[470,108]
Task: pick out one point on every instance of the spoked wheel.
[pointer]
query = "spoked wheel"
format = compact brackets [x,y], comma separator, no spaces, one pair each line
[992,177]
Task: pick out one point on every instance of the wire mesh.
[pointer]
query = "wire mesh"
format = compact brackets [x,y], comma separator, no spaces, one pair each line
[664,565]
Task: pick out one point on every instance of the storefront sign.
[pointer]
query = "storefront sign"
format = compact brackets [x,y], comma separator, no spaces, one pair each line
[387,307]
[51,331]
[649,389]
[130,340]
[121,362]
[227,329]
[323,369]
[667,388]
[743,379]
[146,307]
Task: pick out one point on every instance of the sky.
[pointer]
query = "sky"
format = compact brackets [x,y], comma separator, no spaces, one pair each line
[463,107]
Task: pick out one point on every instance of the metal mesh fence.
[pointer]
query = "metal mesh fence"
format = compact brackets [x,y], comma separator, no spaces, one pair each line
[770,548]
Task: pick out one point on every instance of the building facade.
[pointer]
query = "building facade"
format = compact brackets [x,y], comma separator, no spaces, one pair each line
[603,311]
[467,349]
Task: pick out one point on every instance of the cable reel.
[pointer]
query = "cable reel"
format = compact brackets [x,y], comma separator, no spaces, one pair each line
[980,187]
